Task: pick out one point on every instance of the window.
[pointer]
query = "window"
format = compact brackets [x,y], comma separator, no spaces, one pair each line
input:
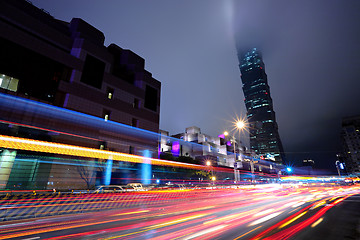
[136,103]
[110,93]
[93,71]
[30,73]
[151,98]
[102,145]
[135,122]
[8,83]
[106,114]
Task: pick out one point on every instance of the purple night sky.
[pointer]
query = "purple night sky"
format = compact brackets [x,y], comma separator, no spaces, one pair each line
[311,51]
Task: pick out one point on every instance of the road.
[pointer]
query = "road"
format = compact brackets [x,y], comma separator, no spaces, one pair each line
[262,212]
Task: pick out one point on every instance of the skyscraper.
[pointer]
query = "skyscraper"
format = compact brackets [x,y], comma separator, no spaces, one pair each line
[350,136]
[264,136]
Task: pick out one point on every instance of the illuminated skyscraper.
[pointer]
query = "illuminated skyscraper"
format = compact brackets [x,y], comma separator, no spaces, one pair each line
[264,136]
[350,136]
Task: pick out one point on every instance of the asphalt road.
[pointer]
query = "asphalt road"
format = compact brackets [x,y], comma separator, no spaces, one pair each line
[265,212]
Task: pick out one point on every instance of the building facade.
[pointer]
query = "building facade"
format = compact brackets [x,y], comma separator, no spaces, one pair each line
[67,65]
[350,136]
[264,136]
[221,151]
[61,84]
[197,145]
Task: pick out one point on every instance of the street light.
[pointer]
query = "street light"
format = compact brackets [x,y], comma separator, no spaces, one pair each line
[226,133]
[213,178]
[239,125]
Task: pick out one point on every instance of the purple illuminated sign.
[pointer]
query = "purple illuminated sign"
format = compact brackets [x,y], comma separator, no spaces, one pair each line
[222,136]
[175,149]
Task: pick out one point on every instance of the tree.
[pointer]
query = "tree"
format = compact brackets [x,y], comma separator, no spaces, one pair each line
[87,172]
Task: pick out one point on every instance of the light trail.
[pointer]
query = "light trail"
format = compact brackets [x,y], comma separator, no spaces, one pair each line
[264,219]
[205,214]
[72,150]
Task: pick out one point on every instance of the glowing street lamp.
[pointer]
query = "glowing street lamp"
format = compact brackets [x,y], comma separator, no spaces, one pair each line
[239,125]
[213,178]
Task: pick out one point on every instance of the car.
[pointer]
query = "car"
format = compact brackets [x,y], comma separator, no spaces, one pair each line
[169,187]
[135,186]
[109,189]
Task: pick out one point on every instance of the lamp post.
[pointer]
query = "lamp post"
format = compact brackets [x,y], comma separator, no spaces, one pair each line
[239,125]
[235,165]
[213,178]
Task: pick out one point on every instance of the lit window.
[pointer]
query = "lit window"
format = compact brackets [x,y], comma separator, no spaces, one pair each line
[106,115]
[9,83]
[110,93]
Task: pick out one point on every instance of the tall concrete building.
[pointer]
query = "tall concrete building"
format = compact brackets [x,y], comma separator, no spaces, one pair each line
[264,136]
[350,136]
[60,83]
[66,64]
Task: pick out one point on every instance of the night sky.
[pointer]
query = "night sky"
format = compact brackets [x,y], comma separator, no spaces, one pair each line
[311,51]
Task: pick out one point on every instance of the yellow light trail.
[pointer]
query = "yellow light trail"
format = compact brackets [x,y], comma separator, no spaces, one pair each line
[294,219]
[175,221]
[159,226]
[317,222]
[247,233]
[128,213]
[33,232]
[231,217]
[72,150]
